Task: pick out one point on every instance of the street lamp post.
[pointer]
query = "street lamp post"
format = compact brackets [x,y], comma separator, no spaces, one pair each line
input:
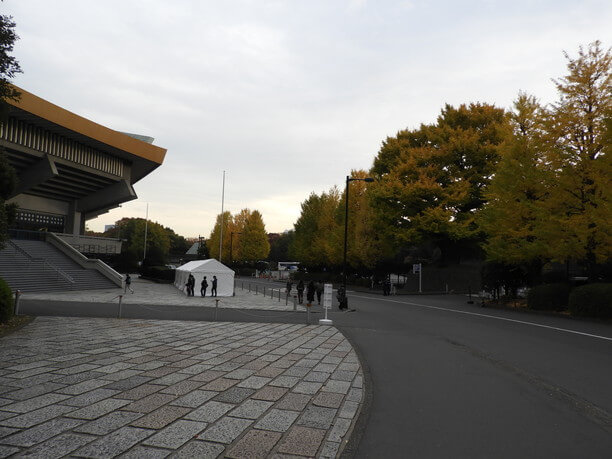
[346,201]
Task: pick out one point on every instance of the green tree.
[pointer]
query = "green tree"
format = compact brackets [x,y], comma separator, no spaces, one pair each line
[9,67]
[133,231]
[317,232]
[513,215]
[579,223]
[215,236]
[279,247]
[254,245]
[431,181]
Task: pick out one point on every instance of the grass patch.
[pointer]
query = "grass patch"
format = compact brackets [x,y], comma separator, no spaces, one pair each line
[14,324]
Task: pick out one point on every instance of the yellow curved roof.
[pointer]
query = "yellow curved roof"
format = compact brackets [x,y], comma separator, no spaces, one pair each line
[62,117]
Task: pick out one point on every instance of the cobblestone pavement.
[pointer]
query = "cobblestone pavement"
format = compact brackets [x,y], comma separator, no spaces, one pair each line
[102,388]
[146,292]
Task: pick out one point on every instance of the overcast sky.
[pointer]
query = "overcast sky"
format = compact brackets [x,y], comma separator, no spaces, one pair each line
[285,96]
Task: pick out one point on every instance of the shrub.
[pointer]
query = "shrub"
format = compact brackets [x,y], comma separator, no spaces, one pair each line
[593,300]
[549,297]
[158,272]
[6,301]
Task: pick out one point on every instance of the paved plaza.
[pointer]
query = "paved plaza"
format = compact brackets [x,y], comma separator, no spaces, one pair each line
[249,295]
[101,388]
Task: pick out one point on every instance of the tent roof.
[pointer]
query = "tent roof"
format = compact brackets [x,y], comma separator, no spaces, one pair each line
[208,266]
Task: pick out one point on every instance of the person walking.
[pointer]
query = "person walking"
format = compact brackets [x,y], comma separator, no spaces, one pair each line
[342,301]
[289,287]
[319,287]
[203,286]
[190,285]
[300,290]
[310,293]
[128,284]
[213,289]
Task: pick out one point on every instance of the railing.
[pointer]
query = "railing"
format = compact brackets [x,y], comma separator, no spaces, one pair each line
[45,264]
[92,244]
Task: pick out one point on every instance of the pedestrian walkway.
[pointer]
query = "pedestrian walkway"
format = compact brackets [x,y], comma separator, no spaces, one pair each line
[104,388]
[147,292]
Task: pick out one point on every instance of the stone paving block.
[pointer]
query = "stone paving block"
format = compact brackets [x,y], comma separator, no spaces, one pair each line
[255,365]
[254,382]
[348,366]
[35,403]
[270,393]
[6,451]
[30,373]
[5,431]
[79,388]
[41,432]
[150,403]
[329,450]
[115,443]
[139,452]
[199,449]
[235,395]
[34,391]
[59,446]
[317,417]
[294,402]
[307,363]
[150,365]
[302,441]
[348,410]
[127,383]
[176,435]
[339,429]
[123,374]
[270,372]
[226,430]
[201,370]
[277,420]
[354,394]
[300,372]
[315,376]
[285,381]
[343,375]
[98,409]
[159,372]
[88,398]
[195,398]
[220,384]
[241,373]
[251,409]
[115,367]
[106,424]
[161,417]
[325,368]
[77,378]
[328,400]
[170,379]
[77,369]
[182,388]
[331,359]
[141,391]
[256,444]
[305,387]
[358,382]
[209,412]
[339,387]
[29,366]
[36,417]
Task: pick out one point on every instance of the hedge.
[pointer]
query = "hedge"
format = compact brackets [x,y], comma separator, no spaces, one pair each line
[593,300]
[549,297]
[7,304]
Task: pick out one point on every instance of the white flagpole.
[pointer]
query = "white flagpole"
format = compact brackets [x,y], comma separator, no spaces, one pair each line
[222,218]
[144,254]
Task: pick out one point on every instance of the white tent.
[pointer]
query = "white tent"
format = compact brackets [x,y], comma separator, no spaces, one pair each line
[208,268]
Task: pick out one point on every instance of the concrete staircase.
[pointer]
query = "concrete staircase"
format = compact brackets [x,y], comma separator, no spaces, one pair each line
[36,266]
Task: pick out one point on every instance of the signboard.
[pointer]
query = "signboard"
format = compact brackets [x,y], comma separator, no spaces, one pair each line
[416,268]
[327,296]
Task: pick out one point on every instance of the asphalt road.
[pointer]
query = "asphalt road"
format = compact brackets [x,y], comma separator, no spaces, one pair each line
[449,379]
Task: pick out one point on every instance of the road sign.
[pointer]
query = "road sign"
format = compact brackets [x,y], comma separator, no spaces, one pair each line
[327,296]
[416,268]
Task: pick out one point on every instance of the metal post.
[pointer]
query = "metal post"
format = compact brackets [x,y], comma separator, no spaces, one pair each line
[264,291]
[249,287]
[256,289]
[346,200]
[17,298]
[294,303]
[216,309]
[222,218]
[120,299]
[420,277]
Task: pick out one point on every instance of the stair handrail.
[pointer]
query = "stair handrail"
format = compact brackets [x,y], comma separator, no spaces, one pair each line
[67,277]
